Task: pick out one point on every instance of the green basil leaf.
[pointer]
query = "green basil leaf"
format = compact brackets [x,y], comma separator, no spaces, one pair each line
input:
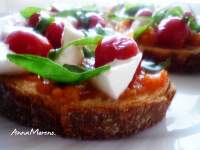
[50,70]
[44,23]
[88,53]
[166,12]
[141,29]
[75,68]
[152,67]
[29,11]
[66,13]
[80,42]
[193,24]
[175,11]
[76,12]
[158,16]
[104,31]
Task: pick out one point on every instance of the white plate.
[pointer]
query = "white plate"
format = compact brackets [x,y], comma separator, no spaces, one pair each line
[180,130]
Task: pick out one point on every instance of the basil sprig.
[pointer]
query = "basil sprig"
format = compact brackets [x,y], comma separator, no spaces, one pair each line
[193,23]
[76,11]
[29,11]
[50,70]
[159,15]
[44,23]
[80,42]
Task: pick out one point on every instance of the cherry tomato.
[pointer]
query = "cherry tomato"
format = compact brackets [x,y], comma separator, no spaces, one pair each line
[188,14]
[114,47]
[91,20]
[54,9]
[28,42]
[34,20]
[95,19]
[173,32]
[145,12]
[54,34]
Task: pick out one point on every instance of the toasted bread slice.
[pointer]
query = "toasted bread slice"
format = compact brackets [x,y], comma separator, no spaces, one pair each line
[182,60]
[80,111]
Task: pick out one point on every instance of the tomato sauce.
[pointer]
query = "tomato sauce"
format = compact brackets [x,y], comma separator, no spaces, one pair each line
[143,83]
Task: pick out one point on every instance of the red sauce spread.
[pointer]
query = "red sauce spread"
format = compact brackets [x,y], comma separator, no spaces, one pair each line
[144,83]
[150,82]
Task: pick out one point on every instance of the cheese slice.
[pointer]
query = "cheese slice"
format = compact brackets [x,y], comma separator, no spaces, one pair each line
[73,54]
[7,67]
[115,81]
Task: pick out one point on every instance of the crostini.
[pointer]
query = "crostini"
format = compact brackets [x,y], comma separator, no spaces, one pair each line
[170,32]
[66,71]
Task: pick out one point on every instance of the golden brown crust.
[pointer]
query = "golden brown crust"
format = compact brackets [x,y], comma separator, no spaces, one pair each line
[182,60]
[87,119]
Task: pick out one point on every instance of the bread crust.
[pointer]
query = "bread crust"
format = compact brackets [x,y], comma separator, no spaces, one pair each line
[82,120]
[182,60]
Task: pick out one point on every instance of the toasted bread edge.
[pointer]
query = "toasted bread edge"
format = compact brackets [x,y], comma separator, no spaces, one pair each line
[83,123]
[182,60]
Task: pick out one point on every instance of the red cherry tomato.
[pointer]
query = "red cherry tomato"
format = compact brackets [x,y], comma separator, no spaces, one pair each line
[145,12]
[114,47]
[173,32]
[28,42]
[95,19]
[54,33]
[91,20]
[54,9]
[34,20]
[188,14]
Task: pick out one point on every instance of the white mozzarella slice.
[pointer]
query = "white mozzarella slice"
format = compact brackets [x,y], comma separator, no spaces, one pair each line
[73,54]
[7,67]
[115,81]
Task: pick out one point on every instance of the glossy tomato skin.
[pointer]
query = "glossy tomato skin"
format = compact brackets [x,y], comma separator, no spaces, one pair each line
[28,42]
[90,20]
[34,20]
[173,33]
[54,33]
[114,47]
[188,14]
[145,12]
[95,19]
